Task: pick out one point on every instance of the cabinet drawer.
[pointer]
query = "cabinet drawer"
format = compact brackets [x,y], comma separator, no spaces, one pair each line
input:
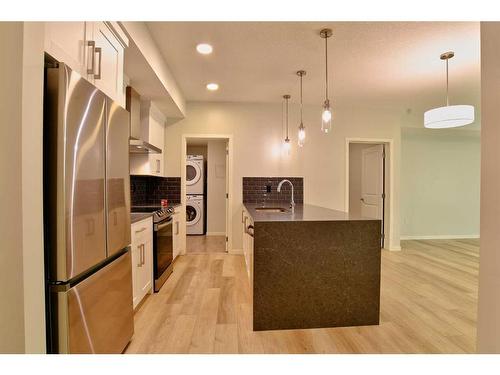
[142,231]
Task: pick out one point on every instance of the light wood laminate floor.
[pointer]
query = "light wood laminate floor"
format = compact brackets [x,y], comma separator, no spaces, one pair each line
[205,244]
[428,305]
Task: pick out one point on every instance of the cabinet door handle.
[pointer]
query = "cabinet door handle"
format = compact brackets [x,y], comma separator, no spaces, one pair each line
[91,44]
[140,230]
[99,51]
[176,227]
[157,165]
[250,227]
[143,255]
[140,255]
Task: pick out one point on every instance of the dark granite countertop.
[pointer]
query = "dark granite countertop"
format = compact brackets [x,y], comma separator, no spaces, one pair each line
[303,212]
[138,216]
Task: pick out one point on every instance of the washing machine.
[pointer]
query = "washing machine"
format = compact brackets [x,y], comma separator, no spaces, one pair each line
[194,174]
[194,214]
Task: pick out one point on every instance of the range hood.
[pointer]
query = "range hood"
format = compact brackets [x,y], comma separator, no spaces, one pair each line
[137,145]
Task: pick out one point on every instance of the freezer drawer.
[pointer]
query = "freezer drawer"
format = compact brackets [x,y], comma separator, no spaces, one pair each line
[96,315]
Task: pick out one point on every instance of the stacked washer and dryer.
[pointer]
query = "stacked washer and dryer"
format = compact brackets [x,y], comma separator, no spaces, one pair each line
[195,199]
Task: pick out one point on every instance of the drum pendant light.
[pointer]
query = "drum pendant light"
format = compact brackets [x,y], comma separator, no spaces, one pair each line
[326,116]
[450,116]
[301,138]
[286,143]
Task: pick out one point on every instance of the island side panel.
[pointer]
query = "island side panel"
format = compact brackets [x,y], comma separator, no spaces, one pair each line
[316,274]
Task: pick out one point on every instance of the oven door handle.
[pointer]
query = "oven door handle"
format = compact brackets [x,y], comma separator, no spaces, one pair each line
[161,226]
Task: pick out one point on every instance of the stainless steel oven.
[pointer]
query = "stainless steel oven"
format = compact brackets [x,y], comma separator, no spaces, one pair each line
[163,251]
[163,247]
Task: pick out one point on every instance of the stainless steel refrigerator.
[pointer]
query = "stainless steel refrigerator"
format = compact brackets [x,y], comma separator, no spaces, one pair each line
[86,217]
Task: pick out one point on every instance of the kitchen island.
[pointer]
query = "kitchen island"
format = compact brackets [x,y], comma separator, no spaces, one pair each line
[311,268]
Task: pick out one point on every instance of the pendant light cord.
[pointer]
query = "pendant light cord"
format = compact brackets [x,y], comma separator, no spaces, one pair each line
[447,97]
[286,117]
[326,68]
[301,99]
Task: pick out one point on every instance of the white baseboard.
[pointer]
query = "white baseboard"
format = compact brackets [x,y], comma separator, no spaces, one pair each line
[216,234]
[441,237]
[393,248]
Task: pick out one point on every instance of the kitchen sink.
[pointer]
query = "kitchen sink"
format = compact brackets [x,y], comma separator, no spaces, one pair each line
[271,209]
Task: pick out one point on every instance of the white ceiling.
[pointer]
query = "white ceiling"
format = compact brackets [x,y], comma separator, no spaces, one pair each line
[393,64]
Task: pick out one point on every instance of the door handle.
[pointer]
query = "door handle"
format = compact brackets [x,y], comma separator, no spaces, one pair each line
[362,200]
[157,165]
[176,227]
[99,51]
[140,230]
[143,255]
[91,44]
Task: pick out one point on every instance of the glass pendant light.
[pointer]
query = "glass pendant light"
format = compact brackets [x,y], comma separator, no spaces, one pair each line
[301,137]
[450,116]
[326,115]
[286,142]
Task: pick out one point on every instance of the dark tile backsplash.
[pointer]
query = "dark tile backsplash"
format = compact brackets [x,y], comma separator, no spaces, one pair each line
[151,190]
[254,190]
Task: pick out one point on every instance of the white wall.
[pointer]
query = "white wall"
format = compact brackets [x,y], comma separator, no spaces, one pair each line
[488,324]
[11,255]
[440,179]
[216,187]
[257,133]
[32,188]
[198,150]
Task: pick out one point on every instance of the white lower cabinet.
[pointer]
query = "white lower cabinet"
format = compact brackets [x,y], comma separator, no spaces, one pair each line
[248,234]
[142,259]
[176,232]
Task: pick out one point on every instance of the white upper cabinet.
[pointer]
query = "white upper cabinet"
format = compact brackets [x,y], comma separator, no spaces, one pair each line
[66,42]
[94,49]
[152,131]
[107,60]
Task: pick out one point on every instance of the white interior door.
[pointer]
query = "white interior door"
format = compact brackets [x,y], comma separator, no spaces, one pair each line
[372,181]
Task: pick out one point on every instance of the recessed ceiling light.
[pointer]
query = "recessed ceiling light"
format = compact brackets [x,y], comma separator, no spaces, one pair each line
[204,48]
[212,86]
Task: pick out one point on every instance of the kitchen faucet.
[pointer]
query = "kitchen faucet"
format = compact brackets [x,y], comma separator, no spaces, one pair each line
[292,203]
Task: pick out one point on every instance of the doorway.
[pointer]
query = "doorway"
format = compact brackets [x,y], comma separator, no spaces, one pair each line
[368,182]
[205,196]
